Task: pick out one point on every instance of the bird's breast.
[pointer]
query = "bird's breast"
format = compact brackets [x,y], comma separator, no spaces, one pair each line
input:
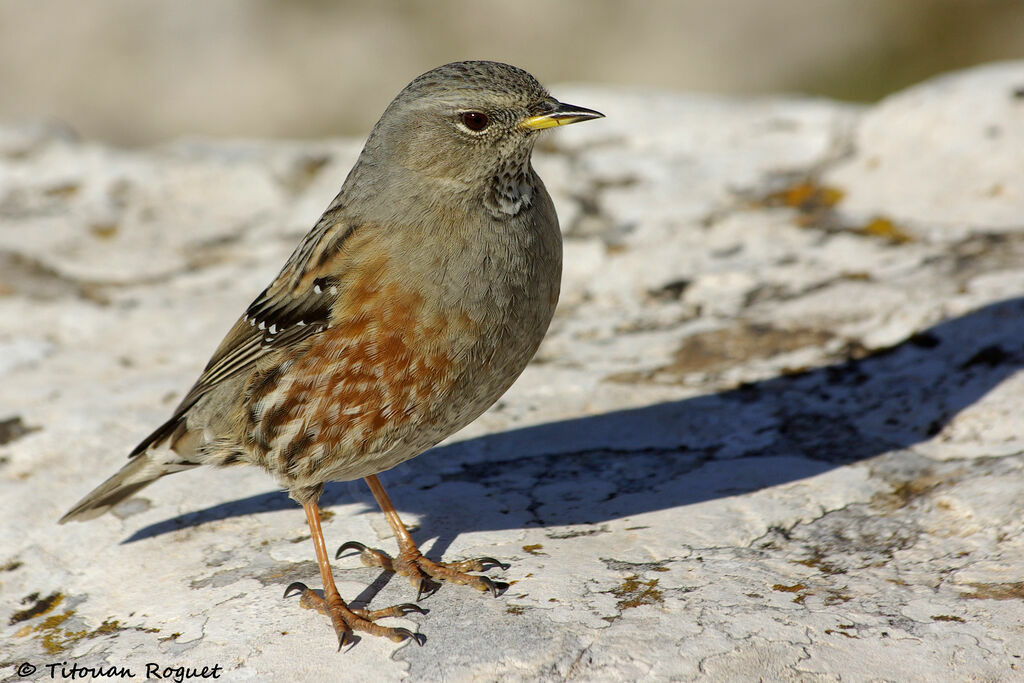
[424,337]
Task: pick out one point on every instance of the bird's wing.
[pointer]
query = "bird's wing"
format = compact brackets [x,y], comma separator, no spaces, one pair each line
[296,305]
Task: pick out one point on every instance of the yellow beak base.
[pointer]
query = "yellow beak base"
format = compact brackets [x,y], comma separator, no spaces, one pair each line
[562,116]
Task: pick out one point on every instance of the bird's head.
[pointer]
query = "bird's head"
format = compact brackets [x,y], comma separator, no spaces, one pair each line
[471,126]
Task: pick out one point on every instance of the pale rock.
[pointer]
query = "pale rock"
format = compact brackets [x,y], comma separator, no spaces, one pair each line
[774,432]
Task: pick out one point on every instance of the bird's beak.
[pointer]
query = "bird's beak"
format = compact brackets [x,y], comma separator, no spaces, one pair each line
[563,115]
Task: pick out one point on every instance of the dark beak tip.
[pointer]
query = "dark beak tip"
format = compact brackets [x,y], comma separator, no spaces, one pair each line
[577,112]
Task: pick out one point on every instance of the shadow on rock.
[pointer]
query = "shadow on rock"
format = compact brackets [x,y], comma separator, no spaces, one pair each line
[589,470]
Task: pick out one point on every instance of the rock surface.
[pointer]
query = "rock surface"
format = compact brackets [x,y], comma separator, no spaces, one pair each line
[773,433]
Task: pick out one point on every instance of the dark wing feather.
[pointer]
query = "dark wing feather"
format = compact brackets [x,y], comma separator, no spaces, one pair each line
[296,305]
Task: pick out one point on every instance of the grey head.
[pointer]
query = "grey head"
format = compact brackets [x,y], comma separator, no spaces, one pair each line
[463,131]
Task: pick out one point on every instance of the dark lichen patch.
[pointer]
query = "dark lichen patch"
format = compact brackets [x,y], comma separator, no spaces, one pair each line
[795,588]
[174,636]
[35,280]
[633,592]
[948,617]
[11,566]
[267,572]
[832,631]
[716,350]
[836,598]
[13,428]
[818,561]
[856,276]
[907,492]
[325,515]
[514,609]
[620,565]
[670,291]
[885,229]
[800,589]
[113,626]
[38,606]
[984,253]
[55,636]
[576,533]
[104,231]
[62,190]
[810,198]
[815,208]
[996,591]
[534,549]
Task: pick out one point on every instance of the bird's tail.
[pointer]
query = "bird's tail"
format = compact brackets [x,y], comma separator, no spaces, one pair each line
[141,471]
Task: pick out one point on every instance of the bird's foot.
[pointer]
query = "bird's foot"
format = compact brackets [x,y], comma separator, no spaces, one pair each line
[425,574]
[347,621]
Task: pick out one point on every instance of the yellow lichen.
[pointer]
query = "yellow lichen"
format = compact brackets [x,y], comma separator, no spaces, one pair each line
[633,592]
[887,230]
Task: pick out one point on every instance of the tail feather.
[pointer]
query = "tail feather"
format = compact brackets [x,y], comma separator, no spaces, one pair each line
[141,471]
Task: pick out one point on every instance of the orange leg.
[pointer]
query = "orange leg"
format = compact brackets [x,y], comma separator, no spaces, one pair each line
[346,620]
[410,561]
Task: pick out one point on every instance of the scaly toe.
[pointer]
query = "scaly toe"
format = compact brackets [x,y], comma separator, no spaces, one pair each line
[308,598]
[393,611]
[371,557]
[454,572]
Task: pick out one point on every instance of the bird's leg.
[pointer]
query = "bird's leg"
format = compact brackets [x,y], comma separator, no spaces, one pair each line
[346,620]
[411,562]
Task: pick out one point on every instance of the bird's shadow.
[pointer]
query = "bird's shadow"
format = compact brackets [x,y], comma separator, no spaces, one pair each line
[581,472]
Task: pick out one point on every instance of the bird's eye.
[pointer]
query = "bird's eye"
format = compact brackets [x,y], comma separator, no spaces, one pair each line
[475,120]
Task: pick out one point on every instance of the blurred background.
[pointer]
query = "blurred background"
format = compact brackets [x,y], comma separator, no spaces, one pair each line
[142,71]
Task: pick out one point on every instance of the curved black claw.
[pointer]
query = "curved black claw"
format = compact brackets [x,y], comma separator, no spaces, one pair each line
[418,637]
[347,638]
[298,587]
[408,607]
[490,563]
[496,587]
[426,589]
[350,545]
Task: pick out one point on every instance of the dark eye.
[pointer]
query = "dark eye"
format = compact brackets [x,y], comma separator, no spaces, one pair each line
[475,120]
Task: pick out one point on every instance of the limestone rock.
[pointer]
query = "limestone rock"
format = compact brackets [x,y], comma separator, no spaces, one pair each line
[773,433]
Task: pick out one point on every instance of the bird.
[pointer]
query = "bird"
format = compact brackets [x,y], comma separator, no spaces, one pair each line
[409,308]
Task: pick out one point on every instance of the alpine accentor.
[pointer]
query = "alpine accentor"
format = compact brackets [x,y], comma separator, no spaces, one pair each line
[410,307]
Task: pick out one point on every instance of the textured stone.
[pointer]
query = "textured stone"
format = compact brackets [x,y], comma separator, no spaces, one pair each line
[773,433]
